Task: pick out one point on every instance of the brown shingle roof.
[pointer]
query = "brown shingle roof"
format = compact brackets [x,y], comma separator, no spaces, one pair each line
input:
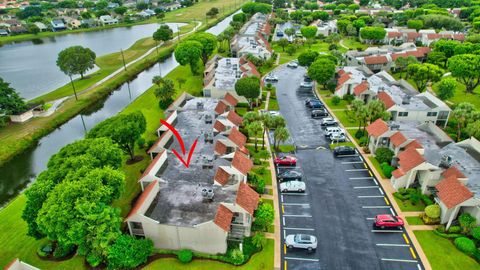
[414,144]
[142,198]
[451,192]
[395,56]
[453,171]
[394,34]
[342,79]
[413,35]
[359,89]
[221,107]
[230,99]
[398,173]
[221,176]
[375,60]
[242,163]
[220,148]
[223,218]
[397,139]
[386,99]
[434,36]
[409,159]
[218,126]
[237,137]
[234,118]
[377,128]
[247,198]
[460,37]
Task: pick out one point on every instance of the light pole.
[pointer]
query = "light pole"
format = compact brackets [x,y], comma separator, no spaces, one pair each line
[123,59]
[73,86]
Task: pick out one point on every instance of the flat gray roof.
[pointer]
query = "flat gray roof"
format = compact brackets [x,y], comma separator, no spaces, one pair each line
[179,201]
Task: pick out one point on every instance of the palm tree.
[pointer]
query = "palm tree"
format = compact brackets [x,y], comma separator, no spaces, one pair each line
[254,129]
[267,122]
[280,135]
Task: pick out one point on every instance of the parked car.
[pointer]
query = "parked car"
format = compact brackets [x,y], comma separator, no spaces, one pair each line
[285,161]
[388,221]
[337,137]
[330,130]
[319,113]
[292,64]
[289,175]
[273,113]
[280,34]
[307,85]
[328,121]
[303,241]
[271,78]
[292,186]
[308,100]
[316,105]
[343,151]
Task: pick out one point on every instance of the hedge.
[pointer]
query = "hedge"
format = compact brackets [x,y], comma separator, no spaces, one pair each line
[465,245]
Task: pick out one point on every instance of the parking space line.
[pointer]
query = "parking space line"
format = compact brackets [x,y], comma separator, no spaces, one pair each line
[370,172]
[359,178]
[301,259]
[406,239]
[284,234]
[283,218]
[370,218]
[352,162]
[348,155]
[381,191]
[419,267]
[365,187]
[298,229]
[297,204]
[370,196]
[285,265]
[391,211]
[387,231]
[375,180]
[386,200]
[281,198]
[283,209]
[306,216]
[356,170]
[375,206]
[284,248]
[413,253]
[295,194]
[399,260]
[392,245]
[365,165]
[361,158]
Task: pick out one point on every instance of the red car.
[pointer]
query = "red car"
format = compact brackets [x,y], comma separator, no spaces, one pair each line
[388,221]
[285,161]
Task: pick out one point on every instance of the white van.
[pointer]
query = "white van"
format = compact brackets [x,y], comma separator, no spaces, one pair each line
[330,130]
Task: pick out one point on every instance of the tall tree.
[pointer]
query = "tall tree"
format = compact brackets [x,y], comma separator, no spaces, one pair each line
[415,24]
[437,58]
[165,91]
[466,68]
[322,71]
[425,73]
[280,135]
[123,129]
[163,33]
[209,44]
[255,129]
[10,101]
[401,63]
[283,42]
[248,87]
[373,34]
[446,88]
[188,52]
[309,32]
[289,32]
[305,59]
[463,113]
[375,109]
[359,110]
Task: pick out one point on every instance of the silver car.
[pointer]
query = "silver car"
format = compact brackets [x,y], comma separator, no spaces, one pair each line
[292,186]
[304,241]
[337,137]
[292,64]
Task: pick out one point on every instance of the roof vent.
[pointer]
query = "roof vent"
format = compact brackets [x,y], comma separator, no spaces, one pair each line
[200,106]
[406,99]
[446,162]
[208,119]
[394,126]
[207,194]
[208,137]
[207,162]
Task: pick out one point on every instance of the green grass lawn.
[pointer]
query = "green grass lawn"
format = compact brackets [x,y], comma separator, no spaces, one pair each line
[407,205]
[414,220]
[333,145]
[352,133]
[285,57]
[287,148]
[262,260]
[353,44]
[345,119]
[442,254]
[264,172]
[376,164]
[328,100]
[273,104]
[461,96]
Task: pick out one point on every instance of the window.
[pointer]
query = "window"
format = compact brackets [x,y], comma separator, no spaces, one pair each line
[402,114]
[432,114]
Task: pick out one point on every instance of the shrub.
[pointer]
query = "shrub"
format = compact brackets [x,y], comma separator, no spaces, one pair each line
[249,247]
[141,142]
[257,161]
[360,133]
[476,233]
[259,240]
[236,256]
[63,250]
[128,252]
[163,104]
[185,255]
[45,250]
[441,228]
[426,200]
[467,222]
[384,154]
[415,197]
[252,178]
[348,97]
[433,211]
[363,141]
[387,169]
[454,229]
[94,259]
[264,216]
[332,47]
[260,188]
[465,245]
[336,100]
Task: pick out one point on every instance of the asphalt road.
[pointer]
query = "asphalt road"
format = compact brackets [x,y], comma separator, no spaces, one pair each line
[340,201]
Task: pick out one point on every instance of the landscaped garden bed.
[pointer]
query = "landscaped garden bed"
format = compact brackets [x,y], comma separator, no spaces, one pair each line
[411,199]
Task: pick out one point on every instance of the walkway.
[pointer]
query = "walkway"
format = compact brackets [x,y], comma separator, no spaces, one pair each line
[343,45]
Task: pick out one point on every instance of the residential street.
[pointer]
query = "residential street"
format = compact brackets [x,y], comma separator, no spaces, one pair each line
[340,201]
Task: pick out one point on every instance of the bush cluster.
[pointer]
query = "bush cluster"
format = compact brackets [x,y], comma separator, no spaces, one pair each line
[185,255]
[336,100]
[384,154]
[465,245]
[387,169]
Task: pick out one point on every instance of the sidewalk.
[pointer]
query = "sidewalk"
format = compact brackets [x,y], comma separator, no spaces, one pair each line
[389,190]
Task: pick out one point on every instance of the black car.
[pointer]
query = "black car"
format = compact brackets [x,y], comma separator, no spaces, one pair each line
[315,105]
[319,113]
[289,175]
[343,151]
[308,100]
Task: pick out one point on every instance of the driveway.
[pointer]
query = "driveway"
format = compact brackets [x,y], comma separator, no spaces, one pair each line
[340,201]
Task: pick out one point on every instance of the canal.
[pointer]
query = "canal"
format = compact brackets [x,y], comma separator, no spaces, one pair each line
[22,170]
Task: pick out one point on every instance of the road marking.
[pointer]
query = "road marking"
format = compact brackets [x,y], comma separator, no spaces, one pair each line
[370,172]
[307,216]
[295,194]
[359,178]
[399,260]
[347,155]
[365,187]
[356,170]
[284,234]
[281,198]
[283,209]
[370,218]
[352,162]
[385,231]
[283,221]
[413,253]
[301,259]
[386,201]
[285,265]
[375,206]
[381,191]
[406,239]
[365,165]
[298,229]
[392,245]
[297,204]
[284,248]
[391,211]
[371,196]
[419,267]
[361,158]
[375,180]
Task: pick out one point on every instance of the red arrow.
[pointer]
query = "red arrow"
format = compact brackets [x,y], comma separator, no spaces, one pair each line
[182,145]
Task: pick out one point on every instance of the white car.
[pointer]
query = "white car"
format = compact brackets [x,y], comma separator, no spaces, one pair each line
[303,241]
[271,78]
[308,85]
[328,121]
[292,186]
[292,64]
[337,137]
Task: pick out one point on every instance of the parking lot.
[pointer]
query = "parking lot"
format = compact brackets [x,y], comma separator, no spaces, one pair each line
[340,201]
